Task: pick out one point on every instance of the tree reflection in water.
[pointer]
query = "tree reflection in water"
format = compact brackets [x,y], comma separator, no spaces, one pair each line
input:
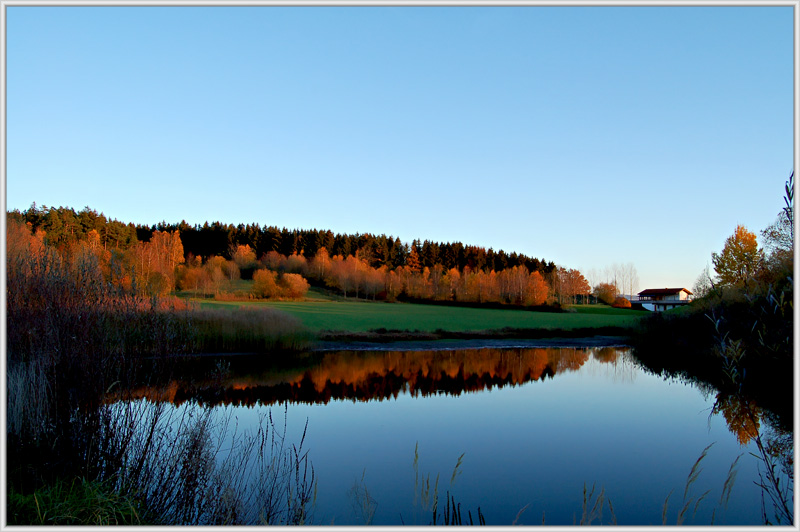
[376,375]
[384,375]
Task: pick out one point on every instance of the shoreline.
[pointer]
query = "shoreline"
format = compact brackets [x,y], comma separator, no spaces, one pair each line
[436,344]
[470,343]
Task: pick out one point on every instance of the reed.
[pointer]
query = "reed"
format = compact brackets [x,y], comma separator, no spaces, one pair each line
[364,505]
[690,501]
[592,507]
[250,329]
[776,476]
[427,495]
[191,466]
[451,516]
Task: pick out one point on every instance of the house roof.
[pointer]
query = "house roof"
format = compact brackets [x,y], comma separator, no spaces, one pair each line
[663,291]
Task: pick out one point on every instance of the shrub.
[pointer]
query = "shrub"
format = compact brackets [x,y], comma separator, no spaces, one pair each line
[605,292]
[237,295]
[621,302]
[294,286]
[265,284]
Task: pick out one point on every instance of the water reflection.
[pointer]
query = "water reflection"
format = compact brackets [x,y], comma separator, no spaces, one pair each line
[647,431]
[377,376]
[382,375]
[743,416]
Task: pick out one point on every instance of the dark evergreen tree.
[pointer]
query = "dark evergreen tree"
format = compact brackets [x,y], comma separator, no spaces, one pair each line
[53,227]
[428,255]
[341,245]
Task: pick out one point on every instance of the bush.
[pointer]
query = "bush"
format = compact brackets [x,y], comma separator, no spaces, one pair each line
[605,292]
[265,284]
[621,302]
[294,286]
[238,295]
[268,284]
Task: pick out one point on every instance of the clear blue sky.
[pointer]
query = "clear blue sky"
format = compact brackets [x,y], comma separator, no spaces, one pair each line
[585,136]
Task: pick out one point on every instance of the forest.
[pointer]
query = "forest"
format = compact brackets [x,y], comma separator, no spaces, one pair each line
[283,263]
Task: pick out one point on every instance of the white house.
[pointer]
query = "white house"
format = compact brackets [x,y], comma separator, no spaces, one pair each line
[659,299]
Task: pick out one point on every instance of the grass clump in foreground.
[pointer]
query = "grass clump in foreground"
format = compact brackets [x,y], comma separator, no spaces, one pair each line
[83,503]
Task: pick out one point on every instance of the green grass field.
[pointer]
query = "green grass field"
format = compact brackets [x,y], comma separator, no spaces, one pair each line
[361,316]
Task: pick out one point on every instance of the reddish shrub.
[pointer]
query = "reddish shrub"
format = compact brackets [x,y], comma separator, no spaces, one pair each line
[621,302]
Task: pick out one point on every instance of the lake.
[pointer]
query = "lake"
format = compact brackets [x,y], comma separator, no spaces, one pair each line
[518,432]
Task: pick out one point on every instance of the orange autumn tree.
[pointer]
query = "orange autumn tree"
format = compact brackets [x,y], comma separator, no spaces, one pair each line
[156,262]
[605,292]
[569,283]
[320,264]
[293,285]
[537,290]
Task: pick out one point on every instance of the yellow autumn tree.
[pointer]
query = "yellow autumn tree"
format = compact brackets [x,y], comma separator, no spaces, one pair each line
[265,284]
[243,256]
[740,258]
[320,264]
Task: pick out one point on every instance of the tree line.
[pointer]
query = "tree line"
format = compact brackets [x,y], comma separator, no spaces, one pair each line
[63,226]
[158,259]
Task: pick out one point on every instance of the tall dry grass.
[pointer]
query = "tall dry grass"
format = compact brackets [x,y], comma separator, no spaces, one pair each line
[70,336]
[247,329]
[192,465]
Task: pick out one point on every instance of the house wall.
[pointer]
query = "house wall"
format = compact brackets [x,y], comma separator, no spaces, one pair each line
[681,296]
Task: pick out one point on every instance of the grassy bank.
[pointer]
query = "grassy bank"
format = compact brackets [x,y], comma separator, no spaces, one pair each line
[364,316]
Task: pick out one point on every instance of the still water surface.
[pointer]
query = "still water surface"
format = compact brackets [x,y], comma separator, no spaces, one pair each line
[534,425]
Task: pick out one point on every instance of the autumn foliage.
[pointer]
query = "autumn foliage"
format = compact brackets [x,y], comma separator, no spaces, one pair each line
[349,375]
[739,260]
[621,302]
[209,260]
[605,292]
